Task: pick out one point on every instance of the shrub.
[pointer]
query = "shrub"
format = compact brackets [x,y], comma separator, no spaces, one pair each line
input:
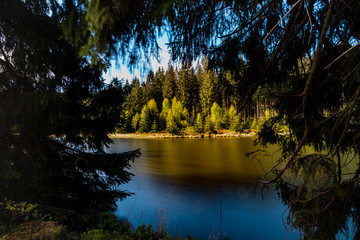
[209,126]
[144,232]
[38,230]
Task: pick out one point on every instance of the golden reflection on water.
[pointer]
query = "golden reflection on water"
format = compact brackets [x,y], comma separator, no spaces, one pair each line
[209,161]
[205,161]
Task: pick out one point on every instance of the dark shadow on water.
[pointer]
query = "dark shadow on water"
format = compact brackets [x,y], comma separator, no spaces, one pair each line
[206,189]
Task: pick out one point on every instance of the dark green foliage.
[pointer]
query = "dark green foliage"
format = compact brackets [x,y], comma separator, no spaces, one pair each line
[207,90]
[135,100]
[145,120]
[188,87]
[157,87]
[321,216]
[169,85]
[55,114]
[98,26]
[135,122]
[144,232]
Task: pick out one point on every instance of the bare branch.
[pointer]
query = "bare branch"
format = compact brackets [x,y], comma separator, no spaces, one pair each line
[358,44]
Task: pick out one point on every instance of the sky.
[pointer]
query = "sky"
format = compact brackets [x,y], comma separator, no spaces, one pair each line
[121,71]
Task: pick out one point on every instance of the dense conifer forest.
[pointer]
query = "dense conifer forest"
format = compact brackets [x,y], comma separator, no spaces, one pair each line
[192,99]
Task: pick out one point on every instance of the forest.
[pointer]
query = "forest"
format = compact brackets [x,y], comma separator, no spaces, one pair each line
[275,65]
[192,100]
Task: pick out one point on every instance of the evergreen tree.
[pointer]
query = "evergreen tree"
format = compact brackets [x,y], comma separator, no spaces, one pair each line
[135,100]
[188,87]
[199,126]
[55,117]
[157,87]
[207,82]
[169,86]
[216,115]
[178,111]
[135,122]
[171,125]
[209,126]
[148,86]
[145,121]
[229,117]
[149,117]
[164,112]
[127,88]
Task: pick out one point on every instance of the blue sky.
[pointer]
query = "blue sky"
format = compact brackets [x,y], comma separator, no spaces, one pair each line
[123,72]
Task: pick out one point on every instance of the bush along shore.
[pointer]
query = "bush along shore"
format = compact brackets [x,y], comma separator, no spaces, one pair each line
[23,220]
[194,135]
[44,230]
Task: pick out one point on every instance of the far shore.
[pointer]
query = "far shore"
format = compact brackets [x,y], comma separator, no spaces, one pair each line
[168,135]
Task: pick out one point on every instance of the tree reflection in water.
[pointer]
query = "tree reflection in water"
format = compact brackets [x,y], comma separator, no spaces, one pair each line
[320,205]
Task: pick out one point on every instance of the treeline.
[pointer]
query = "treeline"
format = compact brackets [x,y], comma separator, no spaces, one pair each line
[190,100]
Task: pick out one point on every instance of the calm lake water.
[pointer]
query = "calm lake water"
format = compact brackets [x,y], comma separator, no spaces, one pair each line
[204,188]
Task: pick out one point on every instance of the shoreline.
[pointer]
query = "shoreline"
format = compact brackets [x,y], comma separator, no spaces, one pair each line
[168,135]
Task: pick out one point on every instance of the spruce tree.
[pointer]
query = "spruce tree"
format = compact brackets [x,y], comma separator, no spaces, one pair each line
[169,86]
[164,112]
[55,117]
[199,125]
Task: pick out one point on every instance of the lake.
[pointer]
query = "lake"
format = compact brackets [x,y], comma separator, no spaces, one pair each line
[204,188]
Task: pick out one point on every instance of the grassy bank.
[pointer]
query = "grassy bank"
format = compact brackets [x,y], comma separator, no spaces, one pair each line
[44,230]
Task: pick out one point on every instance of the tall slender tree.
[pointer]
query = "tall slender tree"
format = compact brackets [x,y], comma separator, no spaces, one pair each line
[169,85]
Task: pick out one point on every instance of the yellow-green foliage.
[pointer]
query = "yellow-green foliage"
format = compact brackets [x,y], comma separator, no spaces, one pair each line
[216,114]
[171,125]
[190,130]
[38,230]
[152,105]
[135,122]
[165,108]
[199,126]
[19,212]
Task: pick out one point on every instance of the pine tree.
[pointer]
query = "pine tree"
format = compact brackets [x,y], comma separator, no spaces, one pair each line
[157,87]
[145,120]
[171,125]
[135,101]
[135,122]
[164,112]
[55,117]
[148,86]
[207,82]
[149,117]
[169,86]
[188,87]
[209,126]
[199,126]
